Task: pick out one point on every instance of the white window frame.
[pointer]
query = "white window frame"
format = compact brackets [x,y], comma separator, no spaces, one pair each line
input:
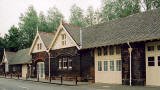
[63,37]
[105,66]
[99,65]
[118,65]
[112,66]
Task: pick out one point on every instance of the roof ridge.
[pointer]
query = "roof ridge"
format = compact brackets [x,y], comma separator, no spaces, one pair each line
[70,24]
[47,32]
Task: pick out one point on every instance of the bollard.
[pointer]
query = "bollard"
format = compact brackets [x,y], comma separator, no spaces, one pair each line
[61,80]
[5,75]
[26,76]
[18,76]
[50,79]
[11,75]
[76,80]
[38,78]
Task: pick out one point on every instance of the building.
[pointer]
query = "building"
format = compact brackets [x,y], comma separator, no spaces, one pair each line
[117,42]
[40,54]
[17,62]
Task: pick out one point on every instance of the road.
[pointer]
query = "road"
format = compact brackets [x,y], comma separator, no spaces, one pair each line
[11,84]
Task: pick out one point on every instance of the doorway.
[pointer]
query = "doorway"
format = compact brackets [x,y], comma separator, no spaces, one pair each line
[41,70]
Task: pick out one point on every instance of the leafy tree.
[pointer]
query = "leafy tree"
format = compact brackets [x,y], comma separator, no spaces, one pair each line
[1,48]
[77,17]
[91,16]
[118,9]
[11,40]
[42,25]
[54,18]
[150,4]
[28,26]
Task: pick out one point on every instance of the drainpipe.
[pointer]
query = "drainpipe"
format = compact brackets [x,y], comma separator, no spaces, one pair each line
[49,60]
[130,55]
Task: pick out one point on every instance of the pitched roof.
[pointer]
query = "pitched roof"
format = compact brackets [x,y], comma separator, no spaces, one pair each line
[46,37]
[74,31]
[10,56]
[19,57]
[138,27]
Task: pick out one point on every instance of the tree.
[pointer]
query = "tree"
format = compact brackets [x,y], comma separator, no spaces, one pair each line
[42,25]
[118,9]
[150,4]
[77,17]
[54,18]
[12,39]
[28,26]
[90,17]
[1,48]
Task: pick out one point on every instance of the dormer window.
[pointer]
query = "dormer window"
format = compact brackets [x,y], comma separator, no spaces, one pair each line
[63,39]
[39,46]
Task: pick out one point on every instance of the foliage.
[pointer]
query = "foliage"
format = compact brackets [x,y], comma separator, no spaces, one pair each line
[53,19]
[118,9]
[28,26]
[77,17]
[150,4]
[11,40]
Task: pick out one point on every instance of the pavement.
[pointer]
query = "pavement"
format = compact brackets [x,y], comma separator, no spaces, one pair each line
[13,84]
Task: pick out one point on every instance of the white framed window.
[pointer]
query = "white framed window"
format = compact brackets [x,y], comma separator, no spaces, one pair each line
[39,46]
[118,49]
[65,64]
[63,39]
[151,61]
[150,48]
[111,50]
[99,65]
[69,63]
[99,51]
[118,65]
[111,65]
[105,65]
[60,63]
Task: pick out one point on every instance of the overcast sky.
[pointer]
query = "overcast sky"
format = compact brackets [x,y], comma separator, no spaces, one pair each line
[10,10]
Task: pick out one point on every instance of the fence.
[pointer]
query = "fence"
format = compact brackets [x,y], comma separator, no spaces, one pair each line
[60,80]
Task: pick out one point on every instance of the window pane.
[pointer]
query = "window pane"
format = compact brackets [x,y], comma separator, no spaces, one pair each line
[150,48]
[111,50]
[105,49]
[111,65]
[158,60]
[105,65]
[118,65]
[99,51]
[150,61]
[118,49]
[99,65]
[158,47]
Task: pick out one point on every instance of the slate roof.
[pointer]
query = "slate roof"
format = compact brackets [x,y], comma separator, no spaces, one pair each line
[46,37]
[138,27]
[19,57]
[74,31]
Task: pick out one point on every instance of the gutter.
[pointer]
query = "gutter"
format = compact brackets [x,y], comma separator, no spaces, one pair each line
[130,55]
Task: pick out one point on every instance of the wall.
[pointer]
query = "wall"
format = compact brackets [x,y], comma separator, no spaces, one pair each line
[138,64]
[58,43]
[112,77]
[35,50]
[153,72]
[24,70]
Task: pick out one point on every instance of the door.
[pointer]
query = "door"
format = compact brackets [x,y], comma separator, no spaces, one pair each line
[40,70]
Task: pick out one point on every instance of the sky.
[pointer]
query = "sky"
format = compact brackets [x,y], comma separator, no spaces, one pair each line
[10,10]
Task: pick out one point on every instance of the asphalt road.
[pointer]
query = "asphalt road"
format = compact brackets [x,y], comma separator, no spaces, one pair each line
[11,84]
